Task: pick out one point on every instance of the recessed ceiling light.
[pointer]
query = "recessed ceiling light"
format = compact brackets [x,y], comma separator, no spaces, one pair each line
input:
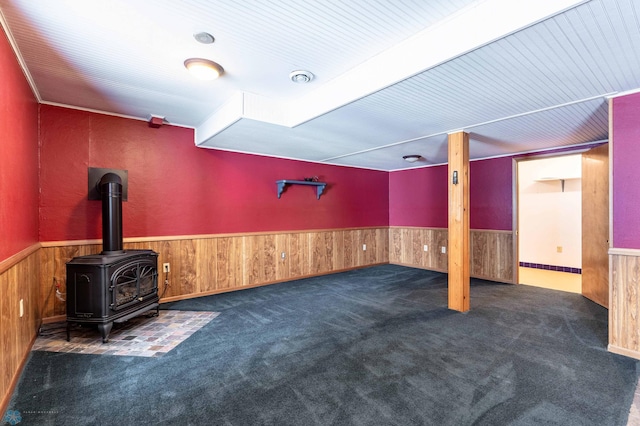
[301,76]
[412,158]
[204,69]
[204,38]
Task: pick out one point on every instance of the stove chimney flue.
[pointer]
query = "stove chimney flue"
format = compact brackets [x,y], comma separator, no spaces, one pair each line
[110,188]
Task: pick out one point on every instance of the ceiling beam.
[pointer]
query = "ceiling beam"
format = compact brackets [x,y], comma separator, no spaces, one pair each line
[471,28]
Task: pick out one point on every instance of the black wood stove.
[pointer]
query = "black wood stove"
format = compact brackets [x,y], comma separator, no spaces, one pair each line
[115,285]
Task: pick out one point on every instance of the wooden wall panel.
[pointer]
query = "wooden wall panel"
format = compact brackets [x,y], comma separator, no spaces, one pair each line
[382,245]
[624,312]
[492,255]
[50,277]
[407,236]
[368,238]
[298,254]
[321,252]
[20,281]
[431,237]
[253,259]
[188,267]
[338,250]
[421,238]
[205,263]
[351,243]
[282,264]
[395,245]
[417,255]
[491,251]
[229,263]
[7,370]
[269,259]
[10,328]
[440,239]
[173,255]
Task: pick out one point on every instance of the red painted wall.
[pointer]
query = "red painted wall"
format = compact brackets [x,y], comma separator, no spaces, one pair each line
[18,156]
[176,188]
[419,197]
[626,173]
[491,194]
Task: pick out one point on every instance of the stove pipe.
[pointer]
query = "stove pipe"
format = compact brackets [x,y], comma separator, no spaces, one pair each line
[110,188]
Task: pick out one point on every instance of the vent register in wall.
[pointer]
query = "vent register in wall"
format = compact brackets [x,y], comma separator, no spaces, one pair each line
[115,285]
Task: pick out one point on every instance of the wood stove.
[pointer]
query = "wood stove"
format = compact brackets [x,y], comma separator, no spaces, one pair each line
[115,285]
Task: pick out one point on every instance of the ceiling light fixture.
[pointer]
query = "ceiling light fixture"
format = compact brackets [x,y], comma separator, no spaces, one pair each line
[204,38]
[411,158]
[203,69]
[301,76]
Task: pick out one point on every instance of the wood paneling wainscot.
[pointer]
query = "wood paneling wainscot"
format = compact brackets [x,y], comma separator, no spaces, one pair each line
[624,312]
[406,247]
[492,255]
[19,280]
[209,264]
[491,251]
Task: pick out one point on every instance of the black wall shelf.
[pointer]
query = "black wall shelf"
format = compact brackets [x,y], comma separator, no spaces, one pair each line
[283,183]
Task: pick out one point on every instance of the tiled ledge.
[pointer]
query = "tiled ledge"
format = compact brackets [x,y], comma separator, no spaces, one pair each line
[551,267]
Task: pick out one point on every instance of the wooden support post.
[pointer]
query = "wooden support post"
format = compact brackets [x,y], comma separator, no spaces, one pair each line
[459,267]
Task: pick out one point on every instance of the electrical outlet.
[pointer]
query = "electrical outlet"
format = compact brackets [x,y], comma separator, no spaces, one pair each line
[283,255]
[364,247]
[559,249]
[21,308]
[426,247]
[444,250]
[166,267]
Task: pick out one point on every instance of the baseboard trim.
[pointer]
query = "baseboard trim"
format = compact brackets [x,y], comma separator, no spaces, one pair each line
[623,351]
[408,265]
[494,279]
[16,376]
[57,318]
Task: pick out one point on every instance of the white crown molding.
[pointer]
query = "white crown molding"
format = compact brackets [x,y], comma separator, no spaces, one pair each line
[23,64]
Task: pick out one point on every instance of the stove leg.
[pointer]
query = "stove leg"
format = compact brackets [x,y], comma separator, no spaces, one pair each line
[105,329]
[68,331]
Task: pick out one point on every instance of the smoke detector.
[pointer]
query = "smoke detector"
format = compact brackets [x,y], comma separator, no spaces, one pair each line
[301,76]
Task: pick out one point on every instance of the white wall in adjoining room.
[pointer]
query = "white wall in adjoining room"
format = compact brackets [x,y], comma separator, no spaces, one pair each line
[549,217]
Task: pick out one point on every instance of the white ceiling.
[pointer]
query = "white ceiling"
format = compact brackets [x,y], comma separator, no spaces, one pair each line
[392,78]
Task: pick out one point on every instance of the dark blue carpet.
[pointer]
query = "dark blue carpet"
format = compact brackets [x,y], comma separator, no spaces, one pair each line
[375,346]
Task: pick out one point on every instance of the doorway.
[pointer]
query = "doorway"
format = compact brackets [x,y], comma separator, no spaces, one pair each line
[561,209]
[549,193]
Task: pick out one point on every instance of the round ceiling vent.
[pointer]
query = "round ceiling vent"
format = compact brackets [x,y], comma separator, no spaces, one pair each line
[301,76]
[204,38]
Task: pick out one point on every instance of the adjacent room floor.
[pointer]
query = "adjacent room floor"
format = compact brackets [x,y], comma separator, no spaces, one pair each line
[553,280]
